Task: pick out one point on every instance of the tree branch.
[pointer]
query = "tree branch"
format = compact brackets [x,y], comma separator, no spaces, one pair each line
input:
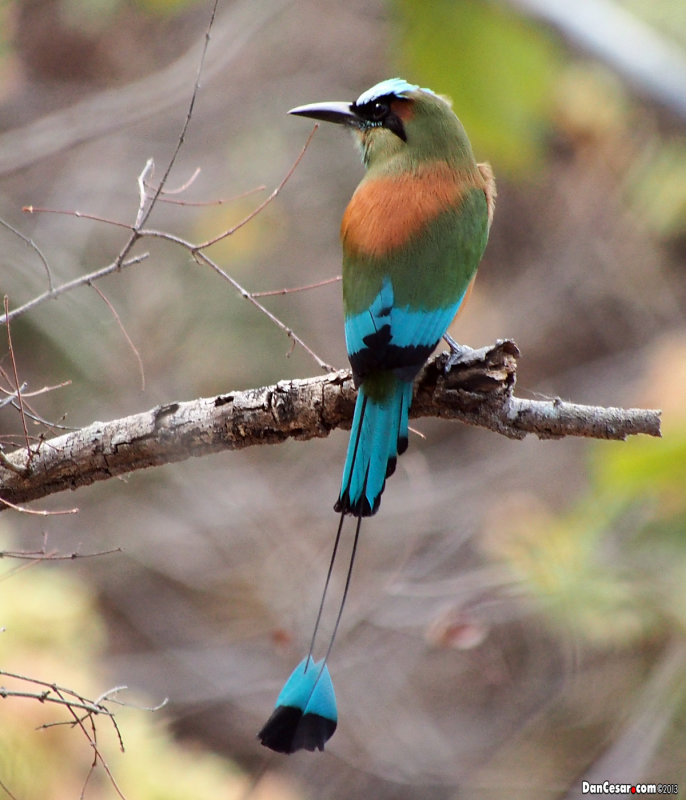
[478,391]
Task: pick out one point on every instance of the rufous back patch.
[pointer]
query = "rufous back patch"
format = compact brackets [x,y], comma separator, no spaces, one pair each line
[385,212]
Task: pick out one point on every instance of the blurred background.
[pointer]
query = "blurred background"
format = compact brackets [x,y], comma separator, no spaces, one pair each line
[516,622]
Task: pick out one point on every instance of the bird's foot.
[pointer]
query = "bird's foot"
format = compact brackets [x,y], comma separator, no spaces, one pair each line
[461,354]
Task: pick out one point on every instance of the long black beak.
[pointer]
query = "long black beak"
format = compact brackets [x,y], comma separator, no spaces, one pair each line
[340,113]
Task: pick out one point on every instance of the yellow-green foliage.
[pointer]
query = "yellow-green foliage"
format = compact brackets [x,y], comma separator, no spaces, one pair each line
[657,187]
[498,69]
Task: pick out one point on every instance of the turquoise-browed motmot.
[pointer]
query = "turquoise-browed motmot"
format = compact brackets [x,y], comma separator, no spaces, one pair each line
[412,235]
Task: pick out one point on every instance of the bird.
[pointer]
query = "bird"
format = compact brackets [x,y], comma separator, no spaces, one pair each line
[412,237]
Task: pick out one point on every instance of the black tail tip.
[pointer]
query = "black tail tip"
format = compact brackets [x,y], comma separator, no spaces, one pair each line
[289,730]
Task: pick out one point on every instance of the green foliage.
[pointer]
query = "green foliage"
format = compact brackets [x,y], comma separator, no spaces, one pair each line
[498,69]
[643,468]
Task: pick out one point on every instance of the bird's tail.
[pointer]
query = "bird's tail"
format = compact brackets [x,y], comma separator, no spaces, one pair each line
[305,714]
[377,437]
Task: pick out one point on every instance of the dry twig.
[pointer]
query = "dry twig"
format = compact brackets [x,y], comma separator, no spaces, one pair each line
[17,386]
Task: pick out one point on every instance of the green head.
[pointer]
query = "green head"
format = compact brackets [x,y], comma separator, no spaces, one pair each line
[398,123]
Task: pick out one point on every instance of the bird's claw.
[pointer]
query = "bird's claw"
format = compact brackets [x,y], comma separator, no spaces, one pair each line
[460,354]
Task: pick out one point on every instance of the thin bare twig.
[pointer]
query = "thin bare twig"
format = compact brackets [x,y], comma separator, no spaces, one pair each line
[53,426]
[196,251]
[134,349]
[275,193]
[34,393]
[220,201]
[77,215]
[47,697]
[184,129]
[128,704]
[33,246]
[81,710]
[109,110]
[122,259]
[145,207]
[7,791]
[199,256]
[317,285]
[147,170]
[16,378]
[29,411]
[184,186]
[44,555]
[11,396]
[91,771]
[51,693]
[97,755]
[38,512]
[83,280]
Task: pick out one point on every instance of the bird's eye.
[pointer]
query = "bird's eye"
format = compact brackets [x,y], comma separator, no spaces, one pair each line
[378,111]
